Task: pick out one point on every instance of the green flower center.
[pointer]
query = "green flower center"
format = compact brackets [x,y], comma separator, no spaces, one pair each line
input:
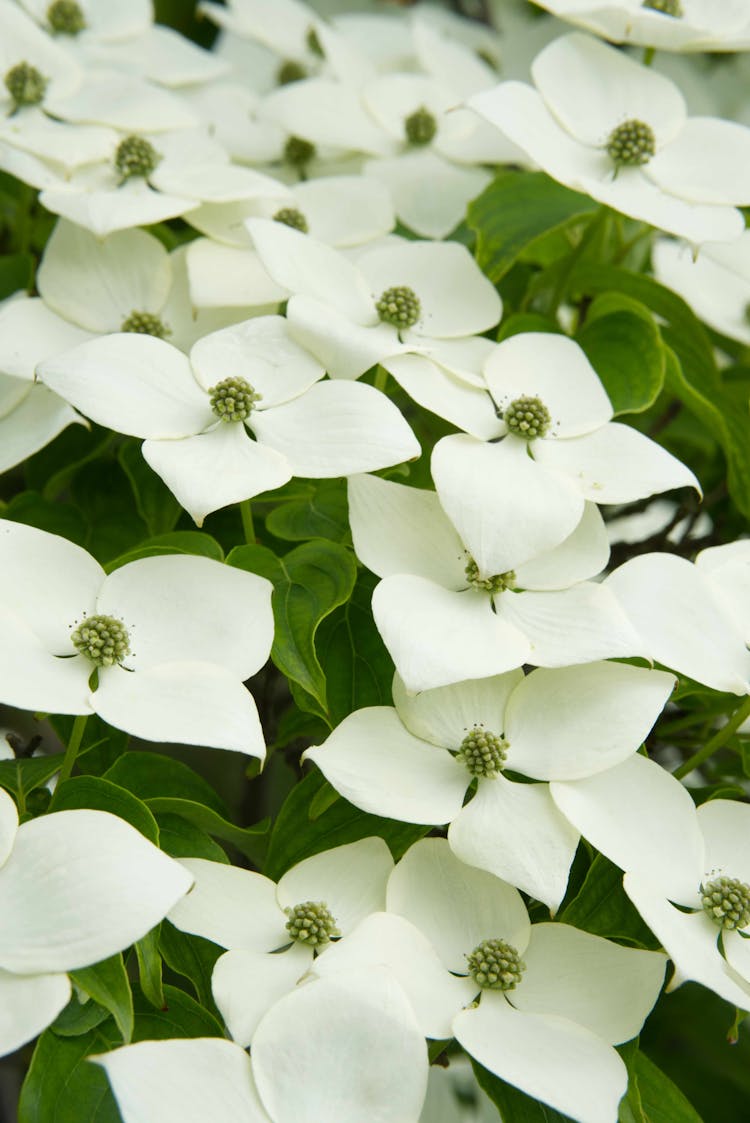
[314,44]
[483,753]
[25,85]
[311,923]
[495,965]
[145,323]
[528,418]
[631,144]
[727,902]
[420,126]
[495,584]
[298,152]
[65,17]
[667,7]
[104,640]
[290,71]
[290,216]
[135,156]
[234,399]
[399,306]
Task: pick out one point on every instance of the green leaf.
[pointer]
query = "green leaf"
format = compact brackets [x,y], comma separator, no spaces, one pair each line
[192,957]
[627,353]
[32,509]
[182,839]
[514,211]
[149,775]
[303,829]
[181,1016]
[102,493]
[20,777]
[662,1100]
[602,907]
[177,542]
[52,468]
[324,514]
[16,272]
[309,582]
[149,967]
[515,1106]
[102,795]
[79,1017]
[250,841]
[107,983]
[520,322]
[153,500]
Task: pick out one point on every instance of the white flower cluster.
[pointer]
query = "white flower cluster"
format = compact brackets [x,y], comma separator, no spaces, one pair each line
[323,167]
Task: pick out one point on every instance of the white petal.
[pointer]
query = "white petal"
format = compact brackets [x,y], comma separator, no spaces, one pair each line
[97,284]
[124,102]
[32,678]
[690,941]
[48,581]
[437,389]
[388,940]
[350,879]
[728,569]
[246,984]
[8,824]
[29,333]
[591,88]
[185,1081]
[737,954]
[456,299]
[326,113]
[456,906]
[515,832]
[28,1003]
[717,293]
[555,369]
[336,429]
[185,703]
[615,464]
[399,529]
[217,468]
[444,716]
[346,349]
[505,507]
[550,1058]
[434,213]
[345,210]
[120,884]
[593,982]
[135,384]
[375,763]
[37,420]
[726,829]
[104,211]
[681,622]
[436,636]
[580,556]
[571,722]
[300,264]
[228,277]
[181,606]
[642,819]
[680,169]
[232,907]
[345,1049]
[576,625]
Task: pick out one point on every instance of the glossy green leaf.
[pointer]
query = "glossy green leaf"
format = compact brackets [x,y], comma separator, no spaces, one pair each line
[107,983]
[79,1017]
[514,211]
[602,907]
[150,967]
[148,775]
[324,514]
[180,838]
[176,542]
[192,957]
[513,1105]
[102,795]
[20,777]
[627,353]
[662,1100]
[153,500]
[33,509]
[250,841]
[16,273]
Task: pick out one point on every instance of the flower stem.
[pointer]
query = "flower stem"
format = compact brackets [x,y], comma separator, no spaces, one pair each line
[246,514]
[648,55]
[74,744]
[716,742]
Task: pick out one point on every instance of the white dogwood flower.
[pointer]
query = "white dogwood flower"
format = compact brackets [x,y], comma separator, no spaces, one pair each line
[601,123]
[669,25]
[416,762]
[171,639]
[30,417]
[716,283]
[119,883]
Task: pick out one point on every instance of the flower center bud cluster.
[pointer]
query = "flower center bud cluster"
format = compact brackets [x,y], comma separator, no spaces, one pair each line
[103,640]
[528,418]
[145,323]
[727,901]
[495,584]
[399,306]
[65,17]
[298,152]
[420,127]
[135,156]
[666,7]
[311,923]
[631,144]
[234,399]
[25,84]
[290,216]
[483,753]
[495,965]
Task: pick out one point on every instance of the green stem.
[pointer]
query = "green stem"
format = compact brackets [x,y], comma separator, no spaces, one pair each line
[648,55]
[246,514]
[381,378]
[74,744]
[741,714]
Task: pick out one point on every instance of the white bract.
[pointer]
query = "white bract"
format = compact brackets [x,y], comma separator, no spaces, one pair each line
[552,1000]
[716,283]
[445,619]
[396,298]
[30,417]
[670,25]
[198,414]
[416,762]
[75,887]
[171,638]
[274,931]
[601,123]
